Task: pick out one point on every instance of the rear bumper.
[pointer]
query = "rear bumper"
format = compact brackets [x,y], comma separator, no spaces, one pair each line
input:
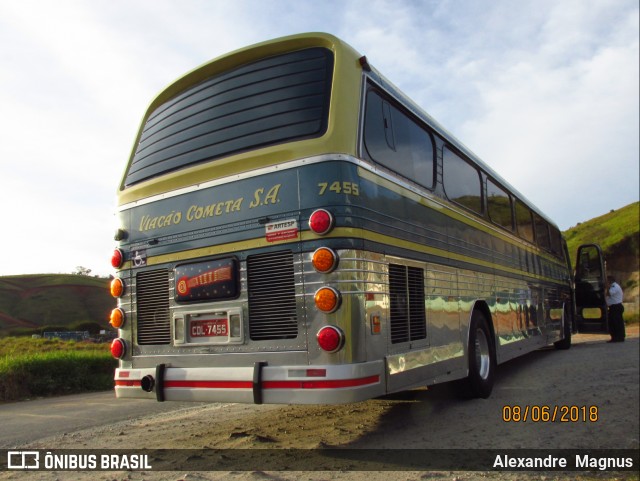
[261,383]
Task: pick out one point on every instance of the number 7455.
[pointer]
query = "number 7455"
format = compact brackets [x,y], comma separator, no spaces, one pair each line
[349,188]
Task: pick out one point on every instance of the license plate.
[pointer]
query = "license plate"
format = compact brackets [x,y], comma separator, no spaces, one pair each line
[209,328]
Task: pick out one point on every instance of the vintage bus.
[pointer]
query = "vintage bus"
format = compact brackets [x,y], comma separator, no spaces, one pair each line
[294,229]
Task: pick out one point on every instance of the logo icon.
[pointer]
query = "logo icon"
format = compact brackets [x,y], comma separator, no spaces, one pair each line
[23,460]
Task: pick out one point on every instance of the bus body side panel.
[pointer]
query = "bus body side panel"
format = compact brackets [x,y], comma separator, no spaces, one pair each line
[464,262]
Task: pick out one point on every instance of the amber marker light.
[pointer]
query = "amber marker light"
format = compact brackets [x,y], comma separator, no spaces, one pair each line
[117,258]
[118,348]
[330,338]
[321,221]
[324,260]
[327,299]
[117,317]
[117,287]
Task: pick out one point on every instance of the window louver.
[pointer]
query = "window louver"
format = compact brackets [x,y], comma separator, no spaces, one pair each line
[407,311]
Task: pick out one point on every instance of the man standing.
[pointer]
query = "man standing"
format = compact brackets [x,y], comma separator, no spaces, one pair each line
[614,302]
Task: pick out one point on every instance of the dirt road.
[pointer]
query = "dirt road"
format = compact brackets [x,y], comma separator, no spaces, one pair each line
[600,376]
[22,423]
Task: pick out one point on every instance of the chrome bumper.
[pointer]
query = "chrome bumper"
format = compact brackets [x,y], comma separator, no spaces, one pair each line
[261,383]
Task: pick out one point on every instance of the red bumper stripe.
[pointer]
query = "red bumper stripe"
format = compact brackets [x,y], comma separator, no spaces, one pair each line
[315,384]
[318,384]
[210,384]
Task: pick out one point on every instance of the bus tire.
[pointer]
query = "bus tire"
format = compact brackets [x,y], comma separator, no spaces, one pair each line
[482,360]
[565,343]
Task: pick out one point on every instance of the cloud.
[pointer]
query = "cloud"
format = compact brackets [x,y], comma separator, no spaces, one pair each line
[545,92]
[562,122]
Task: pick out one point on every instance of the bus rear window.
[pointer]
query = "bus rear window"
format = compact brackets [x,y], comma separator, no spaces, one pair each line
[271,101]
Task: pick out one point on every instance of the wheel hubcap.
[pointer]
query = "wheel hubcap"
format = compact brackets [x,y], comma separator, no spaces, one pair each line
[483,358]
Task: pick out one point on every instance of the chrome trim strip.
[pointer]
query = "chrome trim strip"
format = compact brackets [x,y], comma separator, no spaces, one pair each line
[292,165]
[244,175]
[424,357]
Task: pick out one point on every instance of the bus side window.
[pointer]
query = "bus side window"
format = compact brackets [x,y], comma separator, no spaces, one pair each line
[388,126]
[461,181]
[499,206]
[556,241]
[542,232]
[376,125]
[524,221]
[415,149]
[396,141]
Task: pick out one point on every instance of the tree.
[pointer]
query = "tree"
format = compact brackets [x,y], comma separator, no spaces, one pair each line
[82,271]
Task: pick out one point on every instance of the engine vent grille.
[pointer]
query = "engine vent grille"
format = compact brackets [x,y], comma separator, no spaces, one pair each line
[272,296]
[152,300]
[407,312]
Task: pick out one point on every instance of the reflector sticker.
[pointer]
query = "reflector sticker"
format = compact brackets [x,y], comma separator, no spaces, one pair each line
[206,281]
[281,230]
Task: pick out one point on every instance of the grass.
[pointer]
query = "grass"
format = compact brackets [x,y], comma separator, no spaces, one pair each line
[48,280]
[608,230]
[49,367]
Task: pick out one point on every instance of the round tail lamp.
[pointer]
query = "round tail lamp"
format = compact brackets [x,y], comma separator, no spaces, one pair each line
[327,299]
[321,221]
[117,317]
[330,338]
[118,348]
[117,258]
[117,287]
[324,260]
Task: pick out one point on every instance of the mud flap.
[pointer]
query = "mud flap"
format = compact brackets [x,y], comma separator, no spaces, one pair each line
[160,368]
[257,381]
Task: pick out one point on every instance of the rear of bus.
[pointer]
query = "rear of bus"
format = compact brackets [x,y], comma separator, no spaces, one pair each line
[239,263]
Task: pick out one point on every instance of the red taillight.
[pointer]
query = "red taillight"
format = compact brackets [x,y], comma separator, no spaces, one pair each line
[117,287]
[321,221]
[116,258]
[330,338]
[118,348]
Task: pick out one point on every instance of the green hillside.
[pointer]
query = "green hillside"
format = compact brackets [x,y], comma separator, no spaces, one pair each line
[32,301]
[618,233]
[619,229]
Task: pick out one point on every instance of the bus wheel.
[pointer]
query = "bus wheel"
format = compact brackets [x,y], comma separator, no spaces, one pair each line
[566,324]
[482,360]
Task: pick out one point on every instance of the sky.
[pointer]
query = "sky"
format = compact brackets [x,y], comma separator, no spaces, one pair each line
[544,91]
